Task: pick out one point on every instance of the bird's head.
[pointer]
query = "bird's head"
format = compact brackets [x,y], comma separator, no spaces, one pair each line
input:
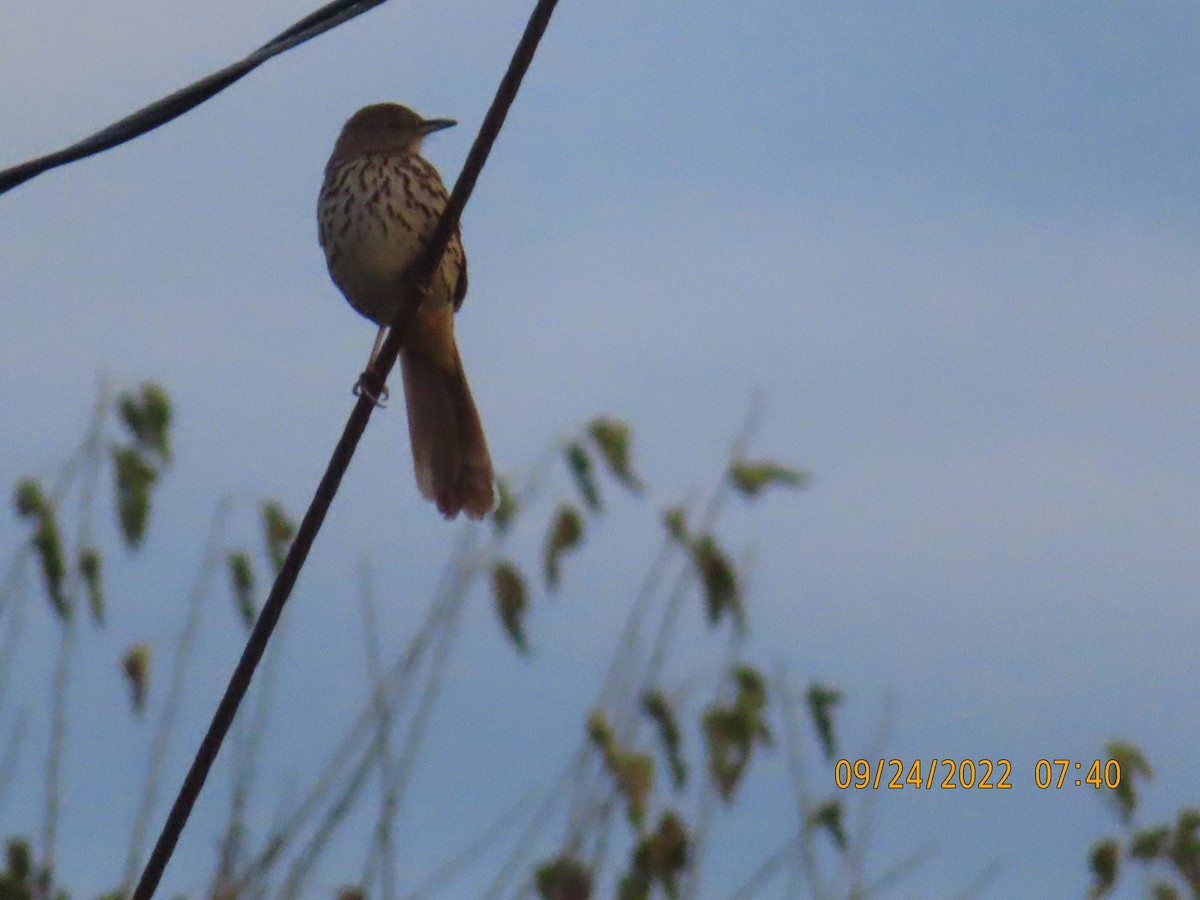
[384,128]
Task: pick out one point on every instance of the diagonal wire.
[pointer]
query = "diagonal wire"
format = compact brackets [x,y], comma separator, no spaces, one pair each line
[418,273]
[174,105]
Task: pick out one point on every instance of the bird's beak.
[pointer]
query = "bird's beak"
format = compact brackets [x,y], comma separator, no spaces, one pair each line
[429,126]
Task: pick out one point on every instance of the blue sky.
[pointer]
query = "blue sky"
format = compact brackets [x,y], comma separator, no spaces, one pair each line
[952,245]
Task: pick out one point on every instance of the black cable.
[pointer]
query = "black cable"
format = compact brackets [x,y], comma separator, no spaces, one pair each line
[174,105]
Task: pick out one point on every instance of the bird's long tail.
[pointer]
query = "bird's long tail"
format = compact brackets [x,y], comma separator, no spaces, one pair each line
[450,454]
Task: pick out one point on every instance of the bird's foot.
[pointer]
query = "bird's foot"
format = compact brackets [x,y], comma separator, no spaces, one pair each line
[362,390]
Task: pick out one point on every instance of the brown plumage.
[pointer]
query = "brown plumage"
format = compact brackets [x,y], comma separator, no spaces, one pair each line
[379,203]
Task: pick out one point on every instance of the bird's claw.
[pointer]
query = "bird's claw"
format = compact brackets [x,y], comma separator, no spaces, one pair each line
[361,390]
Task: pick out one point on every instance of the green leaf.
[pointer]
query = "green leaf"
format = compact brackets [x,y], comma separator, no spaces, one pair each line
[661,857]
[1149,843]
[1189,819]
[821,701]
[512,601]
[29,499]
[611,437]
[1185,849]
[241,577]
[563,878]
[634,886]
[20,860]
[656,706]
[47,543]
[147,416]
[1103,861]
[751,478]
[89,568]
[30,503]
[135,666]
[600,732]
[732,731]
[752,693]
[634,773]
[828,816]
[675,521]
[566,533]
[506,507]
[580,465]
[134,479]
[1134,766]
[722,596]
[278,531]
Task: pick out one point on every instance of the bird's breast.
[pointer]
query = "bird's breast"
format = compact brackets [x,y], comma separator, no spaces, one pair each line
[374,214]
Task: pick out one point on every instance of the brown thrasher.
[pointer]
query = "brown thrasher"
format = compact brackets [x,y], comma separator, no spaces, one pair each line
[379,203]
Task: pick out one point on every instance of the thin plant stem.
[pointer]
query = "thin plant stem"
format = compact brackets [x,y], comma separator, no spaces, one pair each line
[591,806]
[233,842]
[12,633]
[452,603]
[470,854]
[58,737]
[855,860]
[762,876]
[794,747]
[382,847]
[181,659]
[248,750]
[89,461]
[399,676]
[62,483]
[708,796]
[712,511]
[894,874]
[8,762]
[402,773]
[522,850]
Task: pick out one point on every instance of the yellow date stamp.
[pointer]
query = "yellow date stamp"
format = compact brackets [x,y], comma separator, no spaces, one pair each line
[972,774]
[946,774]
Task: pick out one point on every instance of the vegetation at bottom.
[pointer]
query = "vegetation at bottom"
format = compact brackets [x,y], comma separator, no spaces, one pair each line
[631,813]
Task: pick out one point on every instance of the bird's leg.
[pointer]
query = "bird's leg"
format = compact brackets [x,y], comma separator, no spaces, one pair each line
[360,387]
[377,346]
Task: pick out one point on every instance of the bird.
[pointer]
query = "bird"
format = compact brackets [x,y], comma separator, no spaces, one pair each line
[379,203]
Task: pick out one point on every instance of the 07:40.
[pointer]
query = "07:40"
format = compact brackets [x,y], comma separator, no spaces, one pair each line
[1100,774]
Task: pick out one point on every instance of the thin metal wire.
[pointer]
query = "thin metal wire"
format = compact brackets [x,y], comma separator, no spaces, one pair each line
[174,105]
